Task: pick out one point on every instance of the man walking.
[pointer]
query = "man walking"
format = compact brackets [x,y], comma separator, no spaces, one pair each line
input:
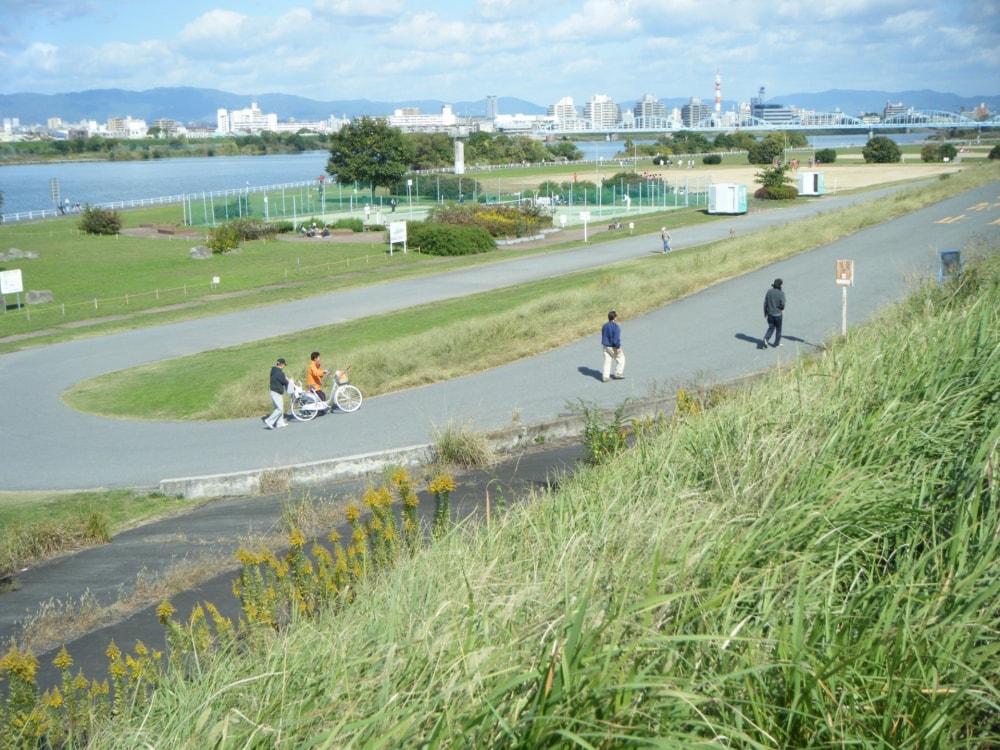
[279,382]
[611,341]
[774,308]
[665,237]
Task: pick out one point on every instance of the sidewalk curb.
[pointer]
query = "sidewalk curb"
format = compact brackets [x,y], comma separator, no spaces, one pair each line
[249,482]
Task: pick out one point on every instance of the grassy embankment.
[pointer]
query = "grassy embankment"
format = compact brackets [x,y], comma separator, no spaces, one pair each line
[812,563]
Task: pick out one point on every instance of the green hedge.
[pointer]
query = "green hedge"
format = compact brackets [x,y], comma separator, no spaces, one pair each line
[449,239]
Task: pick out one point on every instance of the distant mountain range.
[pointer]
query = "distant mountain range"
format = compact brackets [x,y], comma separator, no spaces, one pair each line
[193,106]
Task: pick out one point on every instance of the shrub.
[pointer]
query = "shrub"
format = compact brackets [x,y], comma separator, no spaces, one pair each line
[354,224]
[100,221]
[994,152]
[449,239]
[232,234]
[283,227]
[826,156]
[777,193]
[711,159]
[499,221]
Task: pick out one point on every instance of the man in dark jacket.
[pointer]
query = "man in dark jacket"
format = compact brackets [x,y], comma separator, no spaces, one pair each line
[278,384]
[611,344]
[774,308]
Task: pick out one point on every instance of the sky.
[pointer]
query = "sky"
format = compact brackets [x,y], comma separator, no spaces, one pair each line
[455,51]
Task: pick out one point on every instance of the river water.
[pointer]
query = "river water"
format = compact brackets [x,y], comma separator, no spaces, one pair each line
[27,187]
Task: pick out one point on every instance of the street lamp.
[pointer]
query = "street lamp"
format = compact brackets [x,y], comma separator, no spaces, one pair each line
[409,197]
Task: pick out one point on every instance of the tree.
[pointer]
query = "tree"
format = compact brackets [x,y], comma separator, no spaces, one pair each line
[765,152]
[826,156]
[775,183]
[371,152]
[564,150]
[994,152]
[881,150]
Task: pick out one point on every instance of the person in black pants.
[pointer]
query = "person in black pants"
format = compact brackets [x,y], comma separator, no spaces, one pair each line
[774,308]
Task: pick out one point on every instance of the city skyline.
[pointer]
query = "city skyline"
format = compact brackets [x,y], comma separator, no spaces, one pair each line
[410,49]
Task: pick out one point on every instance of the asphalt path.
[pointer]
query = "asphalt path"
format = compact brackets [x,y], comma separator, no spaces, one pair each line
[711,335]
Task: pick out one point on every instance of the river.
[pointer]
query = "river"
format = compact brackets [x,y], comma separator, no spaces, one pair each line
[28,187]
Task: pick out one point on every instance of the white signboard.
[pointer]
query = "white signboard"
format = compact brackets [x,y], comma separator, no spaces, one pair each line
[10,282]
[397,231]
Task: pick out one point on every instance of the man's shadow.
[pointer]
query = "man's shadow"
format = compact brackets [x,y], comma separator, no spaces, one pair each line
[759,342]
[589,372]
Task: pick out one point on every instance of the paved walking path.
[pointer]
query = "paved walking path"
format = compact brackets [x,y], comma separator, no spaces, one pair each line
[711,334]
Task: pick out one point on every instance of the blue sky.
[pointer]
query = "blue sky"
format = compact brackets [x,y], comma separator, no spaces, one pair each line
[450,50]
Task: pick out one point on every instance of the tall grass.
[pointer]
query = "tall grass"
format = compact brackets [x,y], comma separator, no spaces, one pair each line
[811,564]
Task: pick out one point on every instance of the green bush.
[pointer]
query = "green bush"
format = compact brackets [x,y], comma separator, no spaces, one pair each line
[100,221]
[994,152]
[826,156]
[777,193]
[283,227]
[449,239]
[711,159]
[232,234]
[354,224]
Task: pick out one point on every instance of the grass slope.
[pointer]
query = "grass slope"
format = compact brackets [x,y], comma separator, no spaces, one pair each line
[812,563]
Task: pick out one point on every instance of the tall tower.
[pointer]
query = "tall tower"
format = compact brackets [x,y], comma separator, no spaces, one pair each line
[718,92]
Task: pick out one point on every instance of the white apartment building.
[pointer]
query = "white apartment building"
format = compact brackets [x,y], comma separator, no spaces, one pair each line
[649,107]
[564,111]
[246,120]
[602,111]
[409,120]
[126,127]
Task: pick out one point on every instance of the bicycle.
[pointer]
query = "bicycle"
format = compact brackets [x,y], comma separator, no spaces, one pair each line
[307,405]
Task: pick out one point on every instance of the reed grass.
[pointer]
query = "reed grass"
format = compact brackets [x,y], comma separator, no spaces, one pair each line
[813,563]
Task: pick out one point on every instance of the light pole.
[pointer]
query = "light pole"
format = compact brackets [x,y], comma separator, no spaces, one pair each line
[409,197]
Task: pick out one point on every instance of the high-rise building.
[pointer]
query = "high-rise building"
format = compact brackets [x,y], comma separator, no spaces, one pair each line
[602,111]
[563,111]
[491,108]
[649,107]
[694,112]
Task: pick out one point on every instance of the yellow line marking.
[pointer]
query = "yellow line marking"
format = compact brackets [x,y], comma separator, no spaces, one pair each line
[950,219]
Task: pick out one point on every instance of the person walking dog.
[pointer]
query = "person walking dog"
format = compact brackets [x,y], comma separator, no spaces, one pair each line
[774,309]
[611,342]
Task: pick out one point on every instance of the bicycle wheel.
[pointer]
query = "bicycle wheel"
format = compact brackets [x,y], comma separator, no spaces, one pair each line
[301,408]
[348,398]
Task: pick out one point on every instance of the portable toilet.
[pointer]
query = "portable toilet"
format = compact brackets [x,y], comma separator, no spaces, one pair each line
[810,183]
[727,199]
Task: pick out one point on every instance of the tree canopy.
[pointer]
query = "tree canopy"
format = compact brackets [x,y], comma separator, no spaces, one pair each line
[881,150]
[370,151]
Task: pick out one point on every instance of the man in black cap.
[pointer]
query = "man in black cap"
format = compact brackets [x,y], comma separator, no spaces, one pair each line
[774,307]
[279,383]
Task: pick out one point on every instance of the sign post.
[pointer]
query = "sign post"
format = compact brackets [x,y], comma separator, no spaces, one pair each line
[10,283]
[397,233]
[845,278]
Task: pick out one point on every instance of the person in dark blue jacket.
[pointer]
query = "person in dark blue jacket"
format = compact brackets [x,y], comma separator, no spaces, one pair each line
[611,343]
